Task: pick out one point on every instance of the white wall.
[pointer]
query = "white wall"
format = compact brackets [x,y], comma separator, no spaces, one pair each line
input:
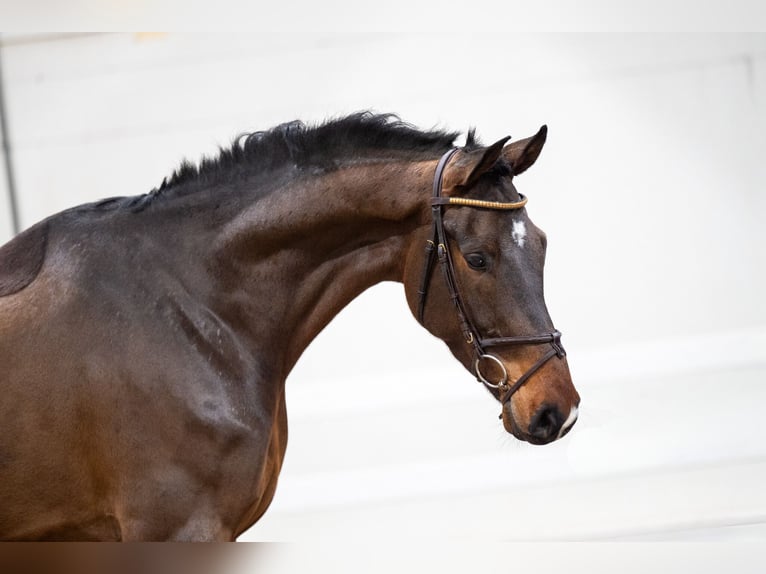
[6,219]
[650,189]
[6,224]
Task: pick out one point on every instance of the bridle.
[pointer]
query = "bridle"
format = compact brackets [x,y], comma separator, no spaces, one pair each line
[438,248]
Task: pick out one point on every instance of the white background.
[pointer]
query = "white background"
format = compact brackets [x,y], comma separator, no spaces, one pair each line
[651,191]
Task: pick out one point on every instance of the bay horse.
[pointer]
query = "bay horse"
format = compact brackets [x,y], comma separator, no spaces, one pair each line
[145,341]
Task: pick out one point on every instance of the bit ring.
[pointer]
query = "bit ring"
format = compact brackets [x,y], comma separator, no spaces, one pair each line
[500,384]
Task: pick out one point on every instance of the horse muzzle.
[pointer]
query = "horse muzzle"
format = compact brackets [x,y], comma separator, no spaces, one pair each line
[546,425]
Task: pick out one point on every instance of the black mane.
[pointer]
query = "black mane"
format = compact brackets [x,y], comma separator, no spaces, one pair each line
[325,146]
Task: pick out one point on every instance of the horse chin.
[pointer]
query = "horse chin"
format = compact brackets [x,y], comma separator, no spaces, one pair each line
[510,425]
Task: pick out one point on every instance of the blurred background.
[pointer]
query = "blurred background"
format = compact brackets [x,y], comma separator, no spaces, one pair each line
[651,189]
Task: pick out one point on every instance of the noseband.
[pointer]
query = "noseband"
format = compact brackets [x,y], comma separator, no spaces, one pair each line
[439,246]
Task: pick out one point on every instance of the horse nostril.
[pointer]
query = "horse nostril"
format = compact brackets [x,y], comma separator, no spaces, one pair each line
[546,423]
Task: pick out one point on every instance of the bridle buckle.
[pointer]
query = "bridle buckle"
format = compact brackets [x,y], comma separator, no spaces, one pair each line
[557,346]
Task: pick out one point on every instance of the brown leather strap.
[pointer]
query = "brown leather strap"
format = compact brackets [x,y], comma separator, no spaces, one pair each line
[526,376]
[554,338]
[425,278]
[445,256]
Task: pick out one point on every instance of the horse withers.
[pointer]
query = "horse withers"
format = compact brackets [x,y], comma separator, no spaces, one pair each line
[145,341]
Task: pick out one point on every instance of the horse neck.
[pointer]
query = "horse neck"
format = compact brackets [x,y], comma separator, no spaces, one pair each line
[303,252]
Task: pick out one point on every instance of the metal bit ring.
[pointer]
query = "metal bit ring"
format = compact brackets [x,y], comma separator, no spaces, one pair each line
[500,384]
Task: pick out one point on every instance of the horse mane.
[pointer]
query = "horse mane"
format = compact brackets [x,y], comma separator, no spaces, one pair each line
[325,146]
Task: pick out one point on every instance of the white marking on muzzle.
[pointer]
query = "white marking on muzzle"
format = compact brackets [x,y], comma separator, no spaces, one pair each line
[569,422]
[519,233]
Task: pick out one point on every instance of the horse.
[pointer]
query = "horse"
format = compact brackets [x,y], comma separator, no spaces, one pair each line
[145,340]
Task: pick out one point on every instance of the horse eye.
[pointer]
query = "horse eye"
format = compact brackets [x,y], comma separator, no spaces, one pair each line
[476,261]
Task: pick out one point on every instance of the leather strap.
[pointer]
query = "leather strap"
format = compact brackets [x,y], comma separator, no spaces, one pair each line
[526,376]
[553,338]
[431,243]
[425,278]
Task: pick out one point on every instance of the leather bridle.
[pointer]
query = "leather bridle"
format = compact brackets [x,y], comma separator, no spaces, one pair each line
[438,248]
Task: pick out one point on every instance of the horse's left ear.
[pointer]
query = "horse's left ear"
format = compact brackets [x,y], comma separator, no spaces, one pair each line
[470,166]
[523,153]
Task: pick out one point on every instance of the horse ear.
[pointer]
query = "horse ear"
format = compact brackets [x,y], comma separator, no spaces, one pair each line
[523,153]
[470,166]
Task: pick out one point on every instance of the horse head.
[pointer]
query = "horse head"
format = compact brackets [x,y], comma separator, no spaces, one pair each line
[487,302]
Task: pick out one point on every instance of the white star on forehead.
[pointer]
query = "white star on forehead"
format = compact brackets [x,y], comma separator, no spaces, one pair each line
[519,233]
